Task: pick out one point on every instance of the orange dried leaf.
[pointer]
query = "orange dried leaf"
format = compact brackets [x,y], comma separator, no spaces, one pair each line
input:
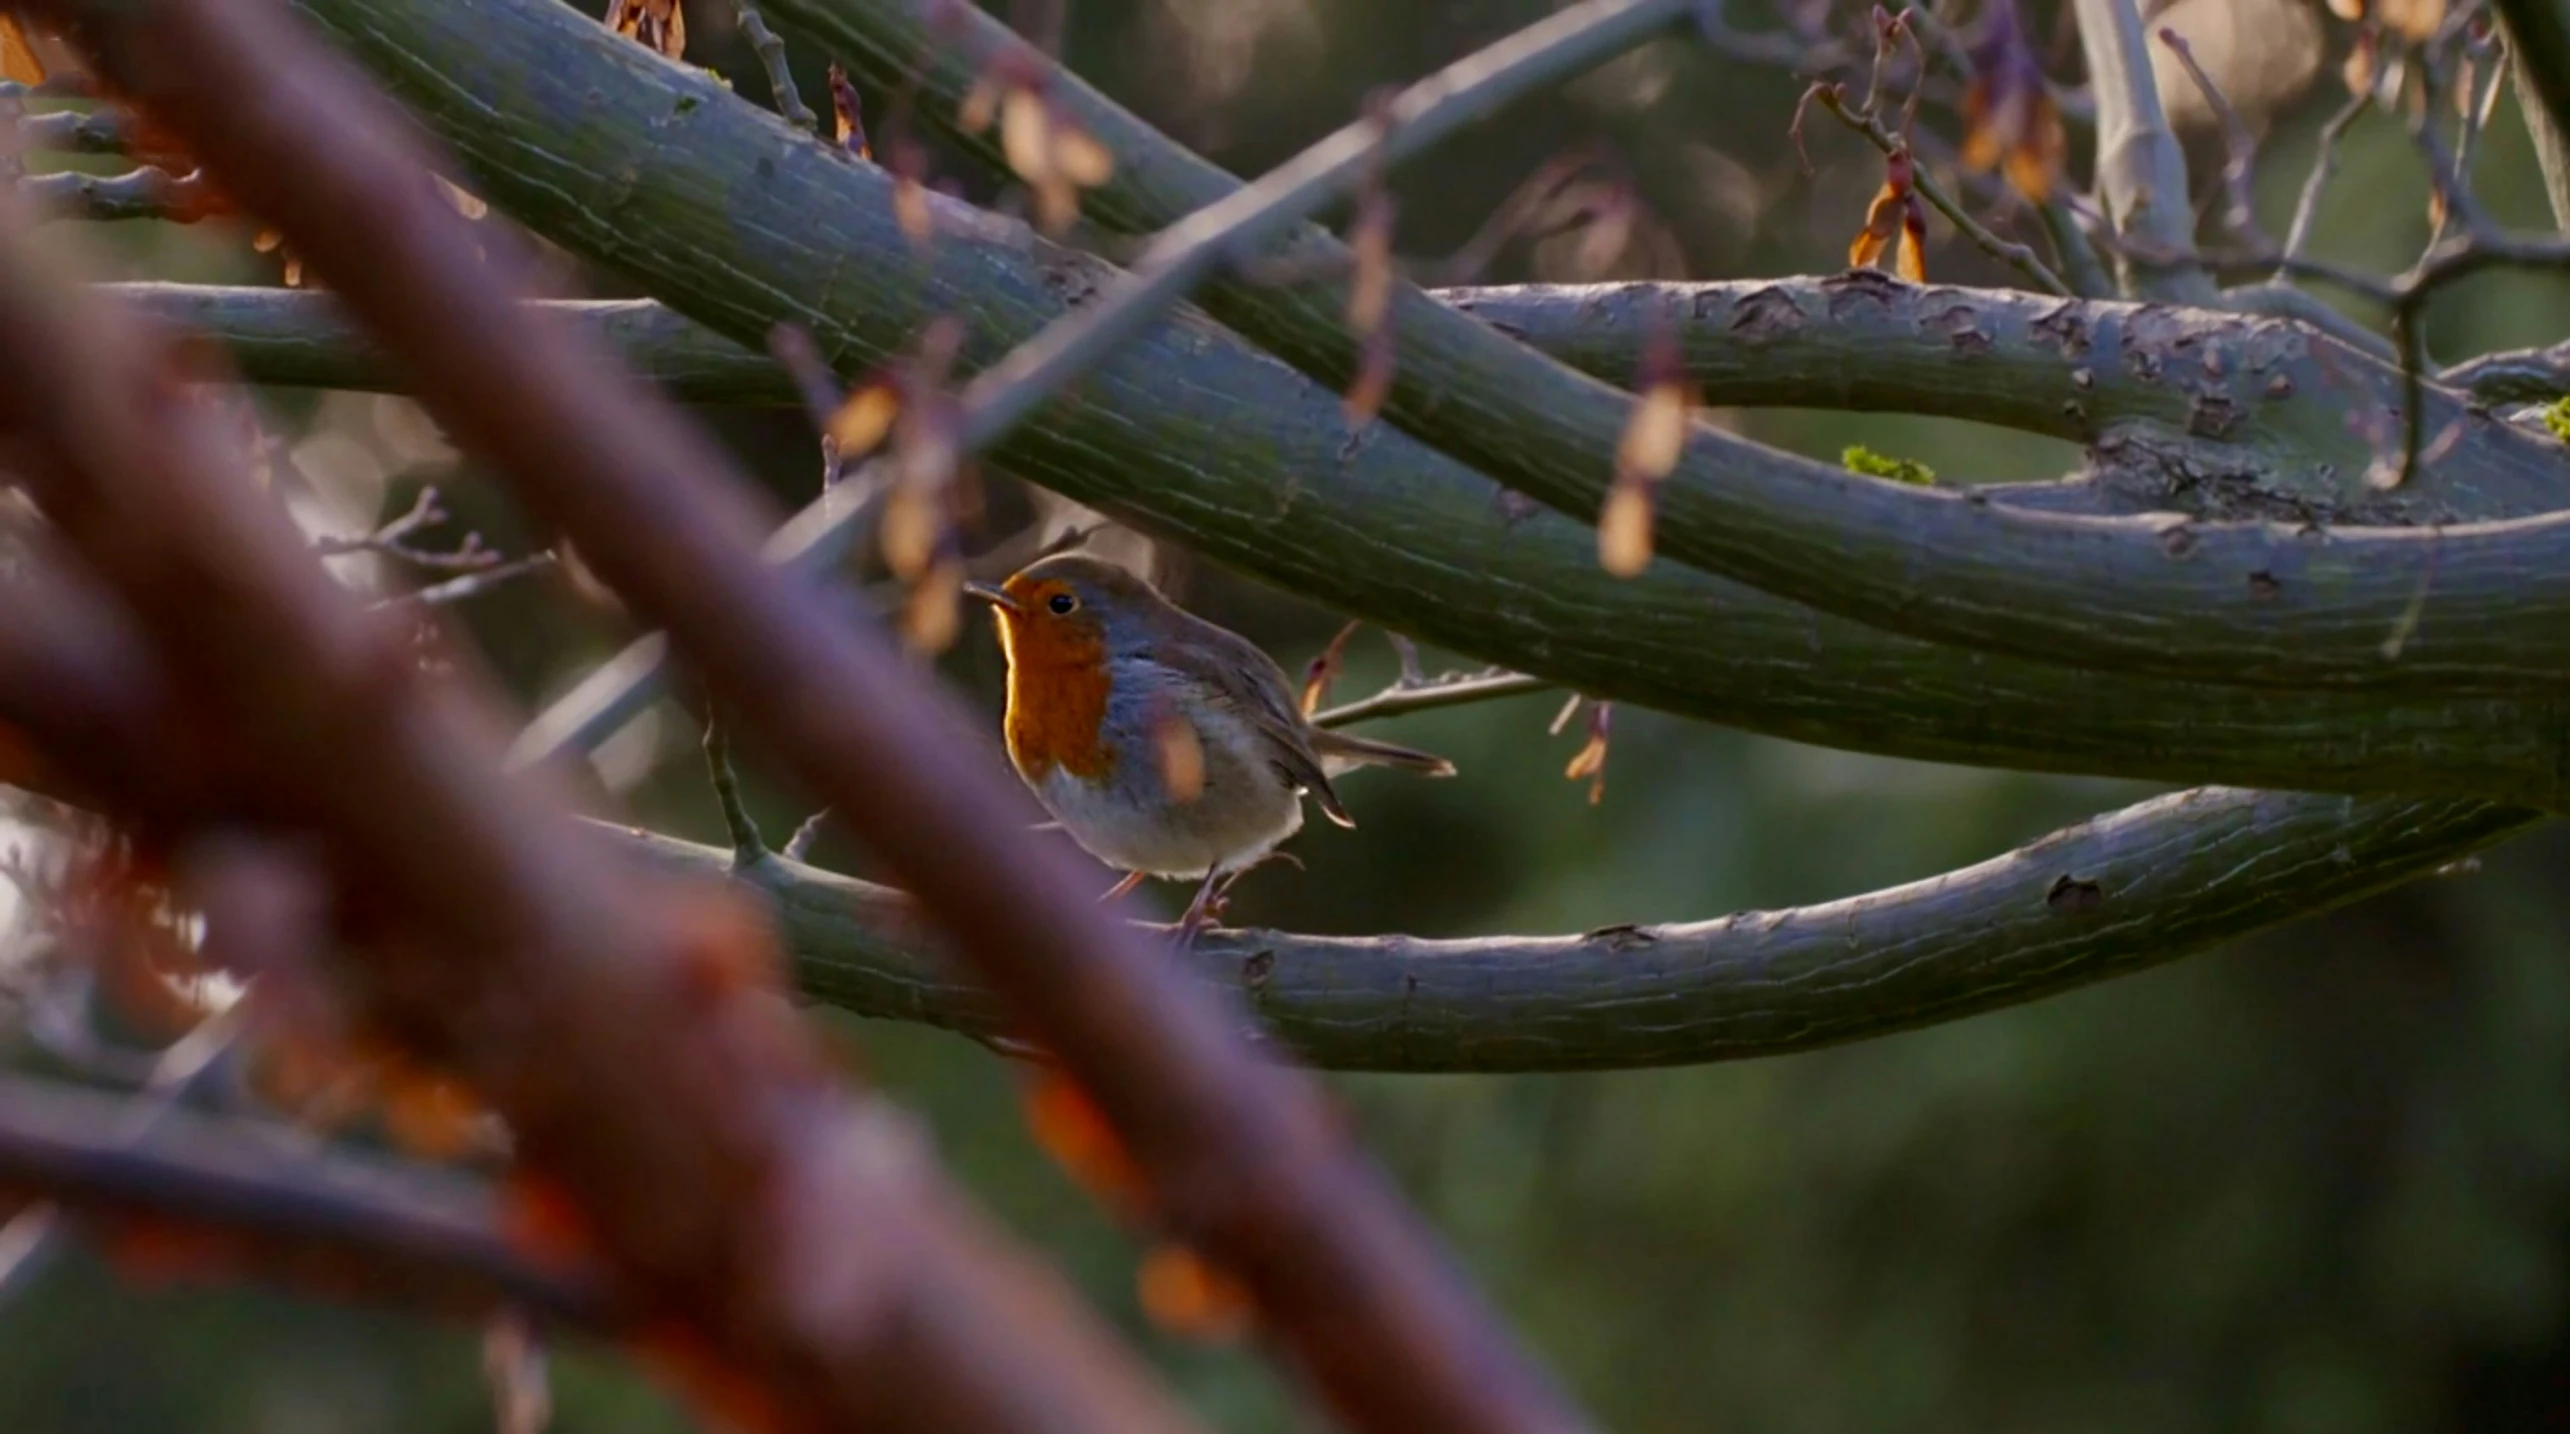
[543,1222]
[1656,433]
[848,121]
[18,58]
[1323,670]
[1069,1128]
[1624,529]
[1373,382]
[934,611]
[980,106]
[910,209]
[1025,136]
[863,418]
[657,25]
[1079,157]
[431,1116]
[706,1380]
[912,530]
[1589,763]
[1369,291]
[1187,1297]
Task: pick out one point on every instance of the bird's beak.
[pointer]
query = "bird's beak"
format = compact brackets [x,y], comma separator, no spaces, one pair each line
[992,595]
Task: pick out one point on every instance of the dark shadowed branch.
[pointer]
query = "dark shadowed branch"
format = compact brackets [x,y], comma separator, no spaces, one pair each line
[1188,431]
[2133,889]
[218,1196]
[1243,1158]
[2253,603]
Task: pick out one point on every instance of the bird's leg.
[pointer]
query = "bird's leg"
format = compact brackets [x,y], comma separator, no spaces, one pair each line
[1131,880]
[1206,908]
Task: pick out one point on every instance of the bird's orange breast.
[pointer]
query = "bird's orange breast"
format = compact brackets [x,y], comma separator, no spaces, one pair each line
[1057,700]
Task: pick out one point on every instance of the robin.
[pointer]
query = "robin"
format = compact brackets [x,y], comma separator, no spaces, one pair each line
[1164,745]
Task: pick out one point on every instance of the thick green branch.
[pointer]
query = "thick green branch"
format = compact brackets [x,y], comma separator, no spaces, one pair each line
[2239,603]
[2123,892]
[2161,391]
[740,222]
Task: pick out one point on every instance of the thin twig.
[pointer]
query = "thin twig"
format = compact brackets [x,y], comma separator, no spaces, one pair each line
[2239,147]
[748,848]
[780,72]
[1424,695]
[2324,163]
[2016,256]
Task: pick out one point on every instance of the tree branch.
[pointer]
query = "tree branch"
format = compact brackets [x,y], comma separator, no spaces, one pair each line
[2253,604]
[1860,341]
[1242,1158]
[2110,896]
[1216,448]
[2141,172]
[247,1200]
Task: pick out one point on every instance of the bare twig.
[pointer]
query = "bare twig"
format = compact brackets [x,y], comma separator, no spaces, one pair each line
[1424,694]
[748,848]
[2141,172]
[780,72]
[2239,147]
[2016,256]
[2324,163]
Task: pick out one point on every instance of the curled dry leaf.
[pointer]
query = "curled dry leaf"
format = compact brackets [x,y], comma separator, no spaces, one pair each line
[432,1116]
[1624,529]
[1050,152]
[1069,1129]
[933,613]
[1323,670]
[2415,21]
[864,418]
[1895,224]
[1187,1297]
[657,25]
[2010,121]
[19,61]
[848,121]
[1589,763]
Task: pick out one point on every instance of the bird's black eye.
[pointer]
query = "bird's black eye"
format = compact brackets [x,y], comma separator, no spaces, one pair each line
[1062,603]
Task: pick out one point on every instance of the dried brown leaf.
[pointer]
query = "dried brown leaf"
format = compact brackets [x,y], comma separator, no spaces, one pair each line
[657,25]
[1323,670]
[1624,529]
[18,58]
[1187,1297]
[848,120]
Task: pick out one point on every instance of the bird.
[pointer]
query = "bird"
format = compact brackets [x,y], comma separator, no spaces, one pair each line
[1162,744]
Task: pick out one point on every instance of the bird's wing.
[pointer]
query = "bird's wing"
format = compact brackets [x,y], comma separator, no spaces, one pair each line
[1230,669]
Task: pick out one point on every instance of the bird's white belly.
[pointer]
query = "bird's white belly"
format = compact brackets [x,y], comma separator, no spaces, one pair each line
[1145,832]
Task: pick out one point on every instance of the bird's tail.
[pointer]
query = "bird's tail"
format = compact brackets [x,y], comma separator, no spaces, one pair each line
[1339,751]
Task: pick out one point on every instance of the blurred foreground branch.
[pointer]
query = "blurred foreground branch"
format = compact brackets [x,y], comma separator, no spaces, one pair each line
[1241,1157]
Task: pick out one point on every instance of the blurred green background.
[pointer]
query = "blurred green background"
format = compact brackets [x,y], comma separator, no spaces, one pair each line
[2318,1182]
